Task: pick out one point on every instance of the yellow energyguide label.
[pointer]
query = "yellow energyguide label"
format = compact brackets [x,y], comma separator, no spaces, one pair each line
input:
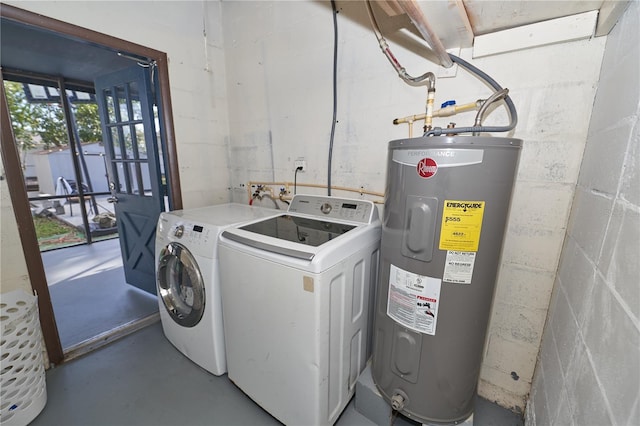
[461,225]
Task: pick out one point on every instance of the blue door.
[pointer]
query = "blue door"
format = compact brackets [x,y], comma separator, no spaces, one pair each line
[129,134]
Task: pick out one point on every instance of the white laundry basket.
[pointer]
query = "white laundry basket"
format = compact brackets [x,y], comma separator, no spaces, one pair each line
[23,392]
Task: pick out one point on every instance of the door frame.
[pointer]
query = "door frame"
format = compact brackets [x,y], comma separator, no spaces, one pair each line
[13,172]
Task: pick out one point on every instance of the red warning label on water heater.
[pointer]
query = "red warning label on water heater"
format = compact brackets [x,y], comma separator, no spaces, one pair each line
[427,167]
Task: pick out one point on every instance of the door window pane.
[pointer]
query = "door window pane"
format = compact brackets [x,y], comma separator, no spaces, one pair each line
[122,102]
[111,111]
[115,141]
[126,132]
[123,181]
[136,107]
[142,146]
[135,182]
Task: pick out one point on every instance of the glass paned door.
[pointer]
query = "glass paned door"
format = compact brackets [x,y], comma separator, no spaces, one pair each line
[126,106]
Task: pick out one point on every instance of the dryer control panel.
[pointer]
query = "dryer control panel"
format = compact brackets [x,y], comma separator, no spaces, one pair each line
[361,211]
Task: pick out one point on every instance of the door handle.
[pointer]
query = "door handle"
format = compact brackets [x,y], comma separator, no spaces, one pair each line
[112,200]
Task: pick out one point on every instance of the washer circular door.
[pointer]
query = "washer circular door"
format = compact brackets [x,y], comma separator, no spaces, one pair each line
[180,285]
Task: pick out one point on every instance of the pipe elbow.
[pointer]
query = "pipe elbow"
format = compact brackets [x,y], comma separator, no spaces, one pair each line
[501,94]
[431,81]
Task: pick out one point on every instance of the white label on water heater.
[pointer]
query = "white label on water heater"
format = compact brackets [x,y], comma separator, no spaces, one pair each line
[413,300]
[458,268]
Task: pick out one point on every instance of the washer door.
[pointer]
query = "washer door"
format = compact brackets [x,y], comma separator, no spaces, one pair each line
[180,285]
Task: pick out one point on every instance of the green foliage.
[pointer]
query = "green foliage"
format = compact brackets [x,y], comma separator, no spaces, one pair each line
[35,122]
[88,122]
[51,125]
[24,116]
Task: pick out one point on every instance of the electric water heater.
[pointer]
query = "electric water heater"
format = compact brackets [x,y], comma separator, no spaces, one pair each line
[445,213]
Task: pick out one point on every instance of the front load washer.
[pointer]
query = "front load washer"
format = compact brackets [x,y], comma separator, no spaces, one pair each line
[188,279]
[297,294]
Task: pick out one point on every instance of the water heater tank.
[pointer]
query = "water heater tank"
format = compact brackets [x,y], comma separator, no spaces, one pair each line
[446,207]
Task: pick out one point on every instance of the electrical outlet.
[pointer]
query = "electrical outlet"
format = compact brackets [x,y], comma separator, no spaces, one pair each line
[300,163]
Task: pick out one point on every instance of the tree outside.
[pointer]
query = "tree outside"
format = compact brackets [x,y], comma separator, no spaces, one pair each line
[40,124]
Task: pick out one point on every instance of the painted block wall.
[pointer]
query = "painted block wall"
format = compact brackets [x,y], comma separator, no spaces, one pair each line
[190,34]
[279,84]
[13,267]
[589,364]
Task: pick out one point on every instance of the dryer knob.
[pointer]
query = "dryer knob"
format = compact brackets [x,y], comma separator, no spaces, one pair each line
[179,232]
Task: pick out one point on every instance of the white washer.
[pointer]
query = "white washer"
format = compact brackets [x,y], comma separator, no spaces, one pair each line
[297,295]
[188,279]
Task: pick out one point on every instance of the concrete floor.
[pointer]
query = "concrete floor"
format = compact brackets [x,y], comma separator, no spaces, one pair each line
[143,380]
[89,293]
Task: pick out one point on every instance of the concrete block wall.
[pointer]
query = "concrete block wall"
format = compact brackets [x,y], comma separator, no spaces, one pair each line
[13,267]
[279,58]
[190,34]
[589,364]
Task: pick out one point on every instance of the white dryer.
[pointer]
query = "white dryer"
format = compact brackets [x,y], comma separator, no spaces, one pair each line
[188,279]
[297,294]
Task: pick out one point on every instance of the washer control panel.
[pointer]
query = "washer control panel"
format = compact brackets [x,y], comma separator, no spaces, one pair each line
[193,234]
[362,211]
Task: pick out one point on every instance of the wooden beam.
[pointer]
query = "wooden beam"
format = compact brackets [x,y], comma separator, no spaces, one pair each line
[543,33]
[610,12]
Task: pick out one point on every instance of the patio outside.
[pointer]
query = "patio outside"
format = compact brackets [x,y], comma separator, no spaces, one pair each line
[55,158]
[59,223]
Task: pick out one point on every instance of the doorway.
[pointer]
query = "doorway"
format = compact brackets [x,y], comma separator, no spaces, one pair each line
[73,45]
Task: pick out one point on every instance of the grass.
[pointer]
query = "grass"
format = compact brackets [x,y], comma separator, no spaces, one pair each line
[47,227]
[53,233]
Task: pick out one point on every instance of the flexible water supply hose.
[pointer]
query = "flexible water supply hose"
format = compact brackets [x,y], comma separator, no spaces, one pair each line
[477,129]
[485,106]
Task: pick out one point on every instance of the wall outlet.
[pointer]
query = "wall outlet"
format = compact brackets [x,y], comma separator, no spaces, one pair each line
[300,163]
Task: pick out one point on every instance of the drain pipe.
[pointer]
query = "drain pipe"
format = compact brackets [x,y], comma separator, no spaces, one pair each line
[384,46]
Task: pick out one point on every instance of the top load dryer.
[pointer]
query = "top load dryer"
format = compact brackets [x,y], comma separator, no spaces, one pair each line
[188,278]
[297,294]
